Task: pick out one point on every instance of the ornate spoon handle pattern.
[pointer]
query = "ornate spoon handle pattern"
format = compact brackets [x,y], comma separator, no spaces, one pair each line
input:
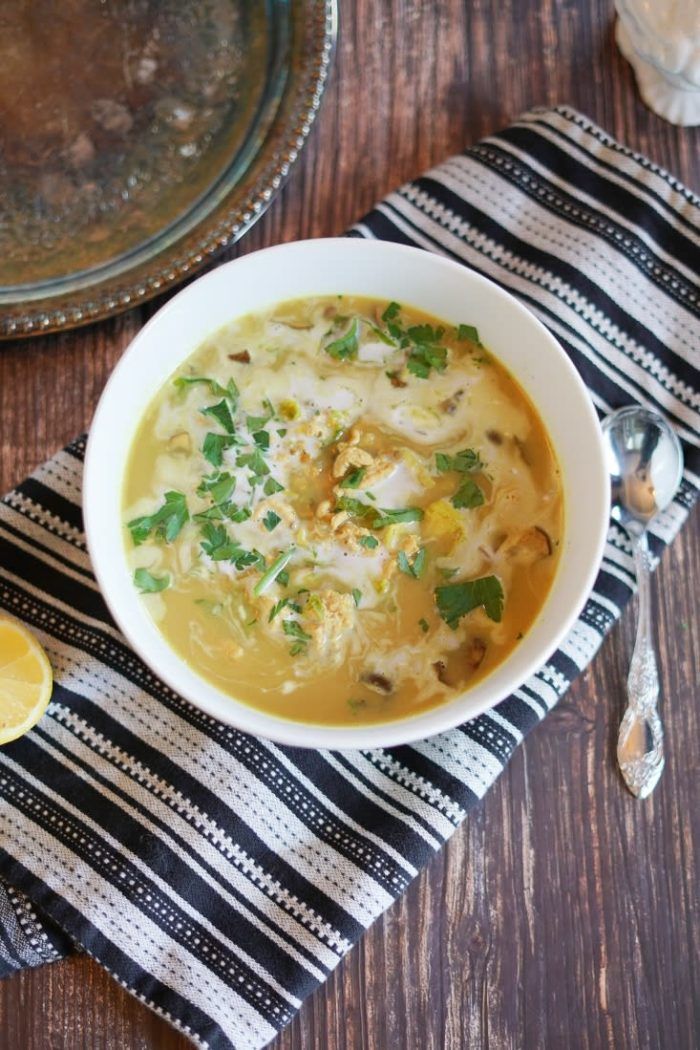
[640,742]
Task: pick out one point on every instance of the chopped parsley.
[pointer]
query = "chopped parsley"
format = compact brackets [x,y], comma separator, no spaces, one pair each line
[370,542]
[468,331]
[258,422]
[424,625]
[222,414]
[165,524]
[468,495]
[271,520]
[271,487]
[215,445]
[353,478]
[455,600]
[390,318]
[356,595]
[149,584]
[255,461]
[219,487]
[229,391]
[424,357]
[283,578]
[262,439]
[465,462]
[282,604]
[293,629]
[219,546]
[414,568]
[345,348]
[238,514]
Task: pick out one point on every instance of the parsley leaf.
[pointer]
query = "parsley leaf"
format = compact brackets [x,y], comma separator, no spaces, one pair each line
[425,333]
[293,629]
[258,422]
[262,439]
[370,542]
[218,486]
[220,547]
[468,331]
[254,460]
[166,523]
[215,445]
[229,391]
[353,478]
[271,520]
[468,495]
[222,414]
[280,605]
[465,462]
[149,584]
[423,357]
[415,568]
[238,514]
[455,600]
[390,317]
[271,487]
[357,595]
[346,347]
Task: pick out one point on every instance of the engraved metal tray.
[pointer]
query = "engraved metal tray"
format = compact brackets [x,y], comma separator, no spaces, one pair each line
[139,137]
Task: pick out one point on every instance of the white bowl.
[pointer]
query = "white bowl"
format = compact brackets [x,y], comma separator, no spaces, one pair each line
[385,271]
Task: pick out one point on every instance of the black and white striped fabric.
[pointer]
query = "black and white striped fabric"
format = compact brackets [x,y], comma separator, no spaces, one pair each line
[221,878]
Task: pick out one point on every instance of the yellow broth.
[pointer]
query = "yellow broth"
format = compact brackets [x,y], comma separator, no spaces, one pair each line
[397,466]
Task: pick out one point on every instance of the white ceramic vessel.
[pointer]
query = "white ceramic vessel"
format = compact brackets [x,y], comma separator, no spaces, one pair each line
[661,40]
[386,271]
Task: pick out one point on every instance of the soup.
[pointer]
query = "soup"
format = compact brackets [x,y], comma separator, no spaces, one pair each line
[342,510]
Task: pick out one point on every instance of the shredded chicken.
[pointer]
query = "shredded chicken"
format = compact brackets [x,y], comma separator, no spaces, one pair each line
[351,457]
[286,513]
[336,615]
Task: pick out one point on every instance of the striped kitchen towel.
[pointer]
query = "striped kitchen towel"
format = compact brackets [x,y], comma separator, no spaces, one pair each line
[221,878]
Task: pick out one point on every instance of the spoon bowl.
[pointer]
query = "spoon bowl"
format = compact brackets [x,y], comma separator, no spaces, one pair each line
[645,460]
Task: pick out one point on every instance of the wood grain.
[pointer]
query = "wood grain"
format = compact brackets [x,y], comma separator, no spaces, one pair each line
[563,913]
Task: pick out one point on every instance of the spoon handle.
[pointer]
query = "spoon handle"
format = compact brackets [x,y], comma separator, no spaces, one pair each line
[640,742]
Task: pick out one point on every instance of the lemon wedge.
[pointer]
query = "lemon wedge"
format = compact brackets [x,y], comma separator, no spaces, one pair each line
[26,679]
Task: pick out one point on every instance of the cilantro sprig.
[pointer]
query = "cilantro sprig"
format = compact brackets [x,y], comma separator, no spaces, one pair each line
[346,346]
[455,600]
[149,584]
[413,568]
[165,524]
[293,629]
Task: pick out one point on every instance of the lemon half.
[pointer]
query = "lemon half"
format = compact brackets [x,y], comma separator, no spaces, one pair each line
[26,679]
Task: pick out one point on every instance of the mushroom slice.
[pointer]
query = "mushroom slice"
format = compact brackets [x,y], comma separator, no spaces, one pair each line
[475,653]
[377,682]
[528,546]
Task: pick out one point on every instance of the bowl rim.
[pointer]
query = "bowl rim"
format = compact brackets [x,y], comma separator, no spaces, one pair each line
[255,721]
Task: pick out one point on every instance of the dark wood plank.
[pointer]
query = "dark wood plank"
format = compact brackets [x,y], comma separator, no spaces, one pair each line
[563,913]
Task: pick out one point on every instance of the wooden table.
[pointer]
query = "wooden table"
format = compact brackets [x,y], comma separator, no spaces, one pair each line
[563,913]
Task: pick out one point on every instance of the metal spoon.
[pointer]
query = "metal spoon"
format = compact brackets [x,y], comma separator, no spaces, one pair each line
[645,460]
